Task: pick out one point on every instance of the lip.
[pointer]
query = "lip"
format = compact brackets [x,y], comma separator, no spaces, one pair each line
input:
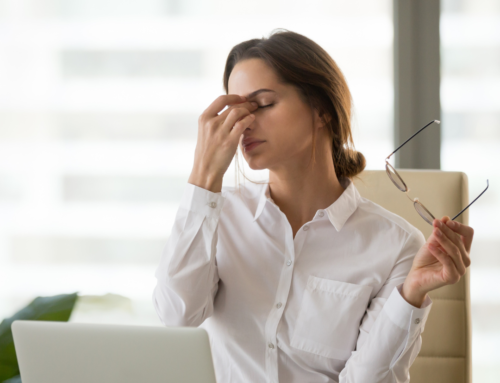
[252,145]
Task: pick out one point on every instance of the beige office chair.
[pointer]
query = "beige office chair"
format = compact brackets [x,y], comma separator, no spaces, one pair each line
[445,356]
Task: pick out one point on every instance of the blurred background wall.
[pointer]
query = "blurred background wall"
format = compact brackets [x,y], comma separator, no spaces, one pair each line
[99,101]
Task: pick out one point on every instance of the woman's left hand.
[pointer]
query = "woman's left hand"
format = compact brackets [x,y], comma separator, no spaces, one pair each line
[442,260]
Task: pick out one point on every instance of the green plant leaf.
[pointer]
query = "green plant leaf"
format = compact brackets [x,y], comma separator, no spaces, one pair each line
[55,308]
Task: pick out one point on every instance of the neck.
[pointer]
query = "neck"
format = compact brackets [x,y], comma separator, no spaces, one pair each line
[300,191]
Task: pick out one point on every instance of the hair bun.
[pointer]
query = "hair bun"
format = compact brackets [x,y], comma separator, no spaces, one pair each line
[352,163]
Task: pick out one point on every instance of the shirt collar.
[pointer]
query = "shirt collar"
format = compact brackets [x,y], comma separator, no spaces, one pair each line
[338,212]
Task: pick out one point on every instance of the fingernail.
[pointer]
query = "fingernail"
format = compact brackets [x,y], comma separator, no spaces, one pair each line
[254,104]
[439,223]
[438,232]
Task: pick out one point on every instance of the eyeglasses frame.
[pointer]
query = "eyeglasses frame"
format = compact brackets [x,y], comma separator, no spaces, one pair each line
[415,200]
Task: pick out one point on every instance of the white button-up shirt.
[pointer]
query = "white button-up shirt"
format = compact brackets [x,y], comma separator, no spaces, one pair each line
[324,306]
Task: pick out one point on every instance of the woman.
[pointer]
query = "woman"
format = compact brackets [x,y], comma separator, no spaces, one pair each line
[299,279]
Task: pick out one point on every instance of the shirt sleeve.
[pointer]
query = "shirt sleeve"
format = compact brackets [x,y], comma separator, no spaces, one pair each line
[390,333]
[187,278]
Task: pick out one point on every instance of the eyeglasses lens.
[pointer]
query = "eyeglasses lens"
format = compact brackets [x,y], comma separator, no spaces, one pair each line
[424,212]
[395,178]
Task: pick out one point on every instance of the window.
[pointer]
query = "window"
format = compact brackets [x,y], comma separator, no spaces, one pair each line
[470,51]
[98,121]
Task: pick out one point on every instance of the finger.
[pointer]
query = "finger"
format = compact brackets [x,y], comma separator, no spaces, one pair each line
[234,116]
[220,103]
[448,265]
[456,239]
[451,249]
[445,219]
[465,231]
[250,105]
[432,240]
[240,126]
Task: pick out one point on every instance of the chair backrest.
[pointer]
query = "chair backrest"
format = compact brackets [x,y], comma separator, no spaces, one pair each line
[445,356]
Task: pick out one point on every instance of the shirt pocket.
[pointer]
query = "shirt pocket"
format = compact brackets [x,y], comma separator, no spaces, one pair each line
[329,317]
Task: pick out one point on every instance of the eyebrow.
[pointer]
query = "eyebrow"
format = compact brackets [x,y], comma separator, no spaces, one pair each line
[255,93]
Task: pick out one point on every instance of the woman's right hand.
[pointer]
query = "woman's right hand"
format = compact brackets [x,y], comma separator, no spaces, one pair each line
[218,139]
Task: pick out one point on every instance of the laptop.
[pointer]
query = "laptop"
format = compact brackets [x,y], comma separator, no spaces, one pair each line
[62,352]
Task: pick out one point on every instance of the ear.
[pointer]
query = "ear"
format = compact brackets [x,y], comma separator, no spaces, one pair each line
[321,119]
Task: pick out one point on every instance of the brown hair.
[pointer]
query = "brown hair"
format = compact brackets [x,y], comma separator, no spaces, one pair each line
[299,61]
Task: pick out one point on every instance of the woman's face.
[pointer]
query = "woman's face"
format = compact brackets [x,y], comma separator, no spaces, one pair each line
[285,125]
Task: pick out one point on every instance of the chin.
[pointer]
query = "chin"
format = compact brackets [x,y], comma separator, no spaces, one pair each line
[257,167]
[254,164]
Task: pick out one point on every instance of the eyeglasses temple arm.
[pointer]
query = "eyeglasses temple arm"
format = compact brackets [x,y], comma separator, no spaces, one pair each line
[400,146]
[488,184]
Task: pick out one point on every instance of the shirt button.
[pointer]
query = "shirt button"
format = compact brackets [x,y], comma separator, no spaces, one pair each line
[212,204]
[278,305]
[288,263]
[306,228]
[417,321]
[321,214]
[270,345]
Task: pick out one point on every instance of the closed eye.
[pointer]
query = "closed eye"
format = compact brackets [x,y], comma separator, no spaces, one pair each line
[265,106]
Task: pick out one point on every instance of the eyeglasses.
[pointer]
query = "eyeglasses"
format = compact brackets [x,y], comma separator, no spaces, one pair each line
[400,184]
